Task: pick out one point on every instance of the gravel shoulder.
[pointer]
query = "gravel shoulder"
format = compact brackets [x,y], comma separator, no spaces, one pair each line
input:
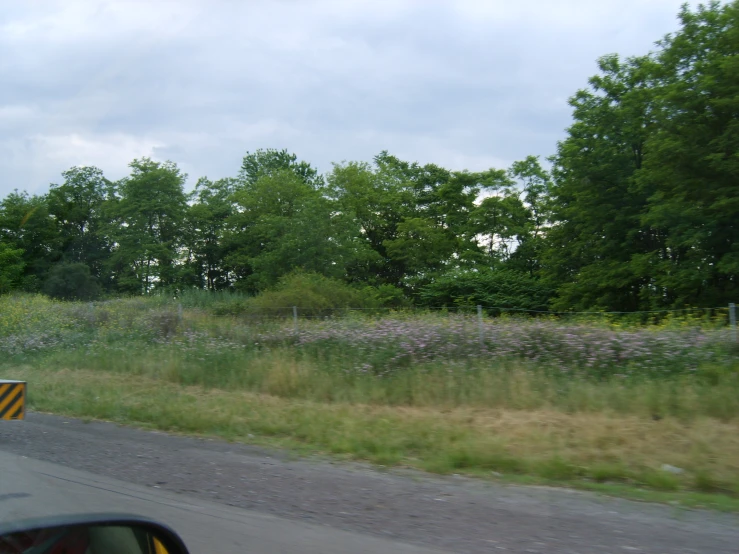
[456,514]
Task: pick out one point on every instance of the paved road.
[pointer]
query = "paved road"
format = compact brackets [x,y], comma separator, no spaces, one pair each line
[31,488]
[255,500]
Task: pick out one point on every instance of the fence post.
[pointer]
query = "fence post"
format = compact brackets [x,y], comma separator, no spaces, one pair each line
[732,320]
[480,329]
[295,320]
[179,312]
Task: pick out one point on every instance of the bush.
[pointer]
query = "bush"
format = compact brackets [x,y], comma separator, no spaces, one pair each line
[508,289]
[71,282]
[313,294]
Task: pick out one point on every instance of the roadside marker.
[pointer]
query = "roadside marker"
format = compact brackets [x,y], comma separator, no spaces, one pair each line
[12,399]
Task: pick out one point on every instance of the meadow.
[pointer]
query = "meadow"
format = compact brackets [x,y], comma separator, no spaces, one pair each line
[591,402]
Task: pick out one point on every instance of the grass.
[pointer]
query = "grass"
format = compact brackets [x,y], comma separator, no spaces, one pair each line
[607,453]
[593,405]
[505,383]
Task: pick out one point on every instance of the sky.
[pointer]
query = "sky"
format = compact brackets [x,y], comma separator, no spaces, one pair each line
[463,84]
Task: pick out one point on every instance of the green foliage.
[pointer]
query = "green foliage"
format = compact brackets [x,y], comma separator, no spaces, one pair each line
[266,163]
[11,268]
[596,207]
[204,227]
[421,245]
[637,213]
[645,194]
[77,207]
[146,217]
[282,224]
[494,288]
[387,296]
[314,295]
[692,169]
[418,220]
[71,281]
[25,225]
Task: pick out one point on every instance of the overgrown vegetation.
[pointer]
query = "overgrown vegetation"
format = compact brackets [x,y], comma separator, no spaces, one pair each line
[560,399]
[637,211]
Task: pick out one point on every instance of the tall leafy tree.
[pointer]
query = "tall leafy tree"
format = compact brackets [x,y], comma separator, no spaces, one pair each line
[282,223]
[375,197]
[416,218]
[77,208]
[646,182]
[204,228]
[531,218]
[27,227]
[597,207]
[691,172]
[500,221]
[147,215]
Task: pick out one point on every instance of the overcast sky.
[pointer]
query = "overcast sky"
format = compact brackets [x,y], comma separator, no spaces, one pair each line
[466,84]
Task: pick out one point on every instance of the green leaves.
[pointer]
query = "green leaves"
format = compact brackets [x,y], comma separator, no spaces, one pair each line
[77,206]
[638,210]
[647,181]
[692,170]
[71,282]
[497,289]
[26,226]
[11,268]
[282,223]
[147,214]
[265,163]
[419,221]
[204,229]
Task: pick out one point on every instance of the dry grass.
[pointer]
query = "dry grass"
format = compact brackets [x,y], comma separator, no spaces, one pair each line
[545,443]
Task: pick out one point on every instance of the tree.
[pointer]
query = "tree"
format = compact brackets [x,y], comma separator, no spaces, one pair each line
[499,222]
[205,225]
[534,191]
[77,207]
[596,206]
[691,173]
[265,163]
[415,218]
[281,223]
[25,226]
[646,194]
[422,246]
[11,268]
[376,199]
[147,215]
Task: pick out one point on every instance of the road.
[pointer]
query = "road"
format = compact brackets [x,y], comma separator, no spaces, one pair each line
[223,497]
[31,488]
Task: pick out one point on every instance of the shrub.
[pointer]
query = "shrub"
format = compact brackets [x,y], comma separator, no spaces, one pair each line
[313,294]
[505,289]
[71,282]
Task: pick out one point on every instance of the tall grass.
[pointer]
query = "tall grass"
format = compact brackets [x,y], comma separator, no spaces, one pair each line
[444,360]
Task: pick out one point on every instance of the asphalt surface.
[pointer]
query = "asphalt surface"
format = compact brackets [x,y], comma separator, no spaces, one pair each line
[235,498]
[40,489]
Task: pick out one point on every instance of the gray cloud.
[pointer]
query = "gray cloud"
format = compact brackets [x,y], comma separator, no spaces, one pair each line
[465,84]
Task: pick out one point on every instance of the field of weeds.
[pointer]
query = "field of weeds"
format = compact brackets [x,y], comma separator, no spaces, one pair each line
[558,399]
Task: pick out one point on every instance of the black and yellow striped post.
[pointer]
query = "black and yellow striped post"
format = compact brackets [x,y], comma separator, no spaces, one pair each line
[12,399]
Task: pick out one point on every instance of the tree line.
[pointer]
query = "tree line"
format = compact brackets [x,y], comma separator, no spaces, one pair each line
[637,210]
